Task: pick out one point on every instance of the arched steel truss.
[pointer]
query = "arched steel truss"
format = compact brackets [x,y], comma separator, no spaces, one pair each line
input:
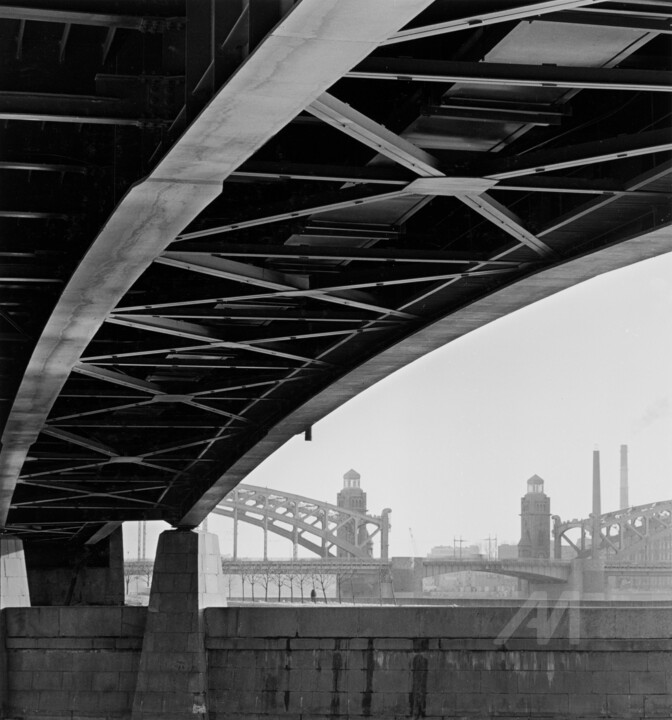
[318,526]
[632,534]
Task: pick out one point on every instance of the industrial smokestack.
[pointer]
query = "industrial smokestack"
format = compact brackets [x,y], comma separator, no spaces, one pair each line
[597,506]
[624,477]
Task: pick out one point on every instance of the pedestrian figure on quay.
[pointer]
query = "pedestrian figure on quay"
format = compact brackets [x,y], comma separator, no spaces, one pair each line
[313,595]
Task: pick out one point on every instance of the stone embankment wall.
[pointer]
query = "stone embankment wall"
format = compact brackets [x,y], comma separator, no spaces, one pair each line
[440,663]
[72,662]
[316,662]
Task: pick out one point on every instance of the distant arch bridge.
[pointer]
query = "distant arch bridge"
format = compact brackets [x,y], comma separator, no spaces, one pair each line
[327,530]
[641,534]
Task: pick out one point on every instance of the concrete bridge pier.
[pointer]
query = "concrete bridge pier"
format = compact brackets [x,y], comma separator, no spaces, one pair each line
[586,581]
[172,677]
[589,577]
[407,576]
[86,575]
[13,593]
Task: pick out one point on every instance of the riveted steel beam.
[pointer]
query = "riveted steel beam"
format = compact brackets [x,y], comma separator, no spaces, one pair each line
[518,74]
[232,270]
[482,19]
[99,411]
[75,439]
[280,314]
[468,109]
[193,331]
[351,198]
[117,378]
[43,167]
[611,18]
[321,173]
[78,109]
[73,17]
[571,156]
[501,216]
[433,181]
[309,252]
[360,127]
[281,284]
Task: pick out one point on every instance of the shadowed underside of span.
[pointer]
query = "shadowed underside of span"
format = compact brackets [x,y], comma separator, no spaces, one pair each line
[220,221]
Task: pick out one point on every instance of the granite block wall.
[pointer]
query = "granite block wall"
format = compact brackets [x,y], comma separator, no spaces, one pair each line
[439,663]
[72,662]
[312,663]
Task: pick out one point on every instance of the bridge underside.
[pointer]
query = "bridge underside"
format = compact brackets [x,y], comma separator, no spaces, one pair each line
[220,221]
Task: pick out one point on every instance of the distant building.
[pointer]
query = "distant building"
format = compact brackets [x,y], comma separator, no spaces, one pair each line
[506,551]
[535,521]
[465,552]
[352,497]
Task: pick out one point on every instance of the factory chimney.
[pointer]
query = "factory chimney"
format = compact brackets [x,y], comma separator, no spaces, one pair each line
[597,506]
[624,477]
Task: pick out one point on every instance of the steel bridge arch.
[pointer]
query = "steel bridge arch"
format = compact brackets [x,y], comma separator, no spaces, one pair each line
[624,534]
[318,526]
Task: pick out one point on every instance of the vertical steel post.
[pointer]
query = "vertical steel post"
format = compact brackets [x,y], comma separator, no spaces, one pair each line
[325,527]
[235,525]
[385,535]
[265,528]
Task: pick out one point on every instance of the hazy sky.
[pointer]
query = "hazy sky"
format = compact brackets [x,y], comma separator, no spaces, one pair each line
[449,442]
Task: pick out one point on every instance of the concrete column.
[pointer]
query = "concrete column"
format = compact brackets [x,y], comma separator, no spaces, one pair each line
[235,530]
[13,577]
[4,684]
[13,593]
[407,576]
[592,577]
[172,678]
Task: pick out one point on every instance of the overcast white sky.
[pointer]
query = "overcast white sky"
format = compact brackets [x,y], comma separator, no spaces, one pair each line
[449,442]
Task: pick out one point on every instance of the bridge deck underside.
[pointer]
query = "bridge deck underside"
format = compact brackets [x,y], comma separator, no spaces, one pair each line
[545,571]
[221,222]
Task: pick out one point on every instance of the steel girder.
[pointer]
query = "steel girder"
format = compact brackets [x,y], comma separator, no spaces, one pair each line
[306,197]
